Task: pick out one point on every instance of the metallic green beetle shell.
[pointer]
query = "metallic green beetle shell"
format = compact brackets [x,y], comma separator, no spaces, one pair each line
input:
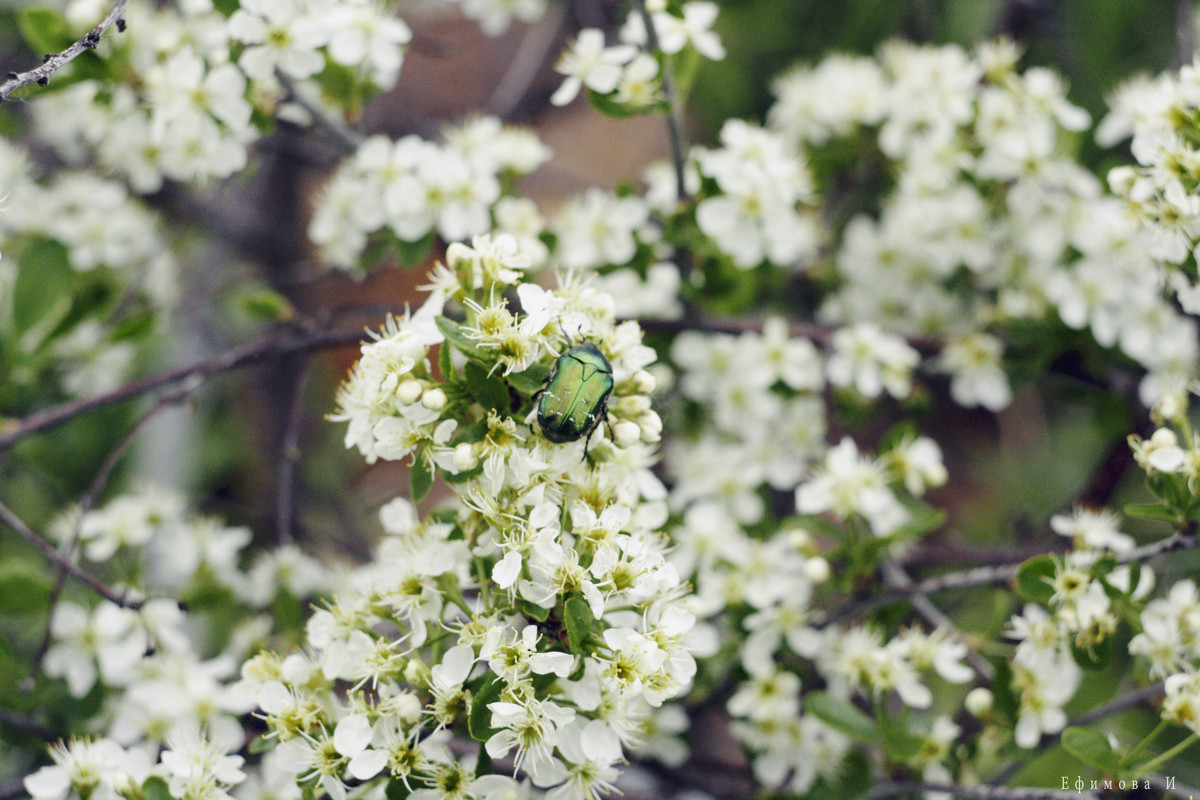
[575,398]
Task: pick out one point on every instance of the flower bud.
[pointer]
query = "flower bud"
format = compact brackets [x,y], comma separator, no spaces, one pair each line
[816,570]
[434,399]
[644,382]
[625,433]
[633,405]
[651,425]
[409,391]
[979,701]
[417,674]
[465,458]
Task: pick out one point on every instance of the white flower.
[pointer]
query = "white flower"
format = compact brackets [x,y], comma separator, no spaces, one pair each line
[589,63]
[280,35]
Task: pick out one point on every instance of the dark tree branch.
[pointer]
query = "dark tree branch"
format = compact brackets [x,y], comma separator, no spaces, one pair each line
[275,345]
[676,125]
[290,456]
[53,62]
[17,524]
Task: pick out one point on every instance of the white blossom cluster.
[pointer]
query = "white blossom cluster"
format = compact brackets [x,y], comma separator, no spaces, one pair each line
[87,231]
[763,207]
[413,188]
[765,587]
[183,108]
[172,709]
[495,16]
[627,75]
[539,615]
[1161,189]
[988,219]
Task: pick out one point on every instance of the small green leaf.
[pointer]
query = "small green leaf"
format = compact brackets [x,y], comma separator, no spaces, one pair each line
[24,589]
[446,364]
[155,788]
[463,343]
[843,716]
[489,390]
[534,612]
[396,790]
[1033,578]
[260,744]
[46,30]
[579,620]
[410,254]
[479,722]
[1090,746]
[43,285]
[530,380]
[1154,511]
[420,475]
[267,305]
[1096,657]
[133,327]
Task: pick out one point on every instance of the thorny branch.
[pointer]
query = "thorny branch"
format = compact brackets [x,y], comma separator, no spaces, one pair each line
[53,62]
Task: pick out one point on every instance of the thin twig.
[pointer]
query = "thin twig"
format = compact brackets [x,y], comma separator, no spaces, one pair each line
[348,138]
[988,576]
[19,722]
[88,502]
[275,345]
[17,524]
[289,456]
[1098,713]
[901,789]
[525,66]
[56,61]
[895,575]
[676,124]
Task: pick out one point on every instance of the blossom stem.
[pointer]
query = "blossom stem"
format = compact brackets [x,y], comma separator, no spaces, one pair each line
[285,500]
[1150,737]
[53,62]
[1162,758]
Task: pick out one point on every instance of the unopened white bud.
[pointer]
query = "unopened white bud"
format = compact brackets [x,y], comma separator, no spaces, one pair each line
[979,701]
[465,457]
[816,570]
[644,382]
[625,433]
[633,405]
[409,391]
[434,399]
[651,425]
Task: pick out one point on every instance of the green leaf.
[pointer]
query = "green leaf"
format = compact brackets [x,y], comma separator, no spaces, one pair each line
[446,364]
[1154,511]
[1033,579]
[490,390]
[46,30]
[463,343]
[133,327]
[24,589]
[901,744]
[396,790]
[420,475]
[530,380]
[43,285]
[479,722]
[267,305]
[843,716]
[155,788]
[410,254]
[1090,746]
[260,744]
[579,620]
[1096,657]
[534,612]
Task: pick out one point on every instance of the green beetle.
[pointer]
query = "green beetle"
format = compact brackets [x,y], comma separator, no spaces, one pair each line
[575,397]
